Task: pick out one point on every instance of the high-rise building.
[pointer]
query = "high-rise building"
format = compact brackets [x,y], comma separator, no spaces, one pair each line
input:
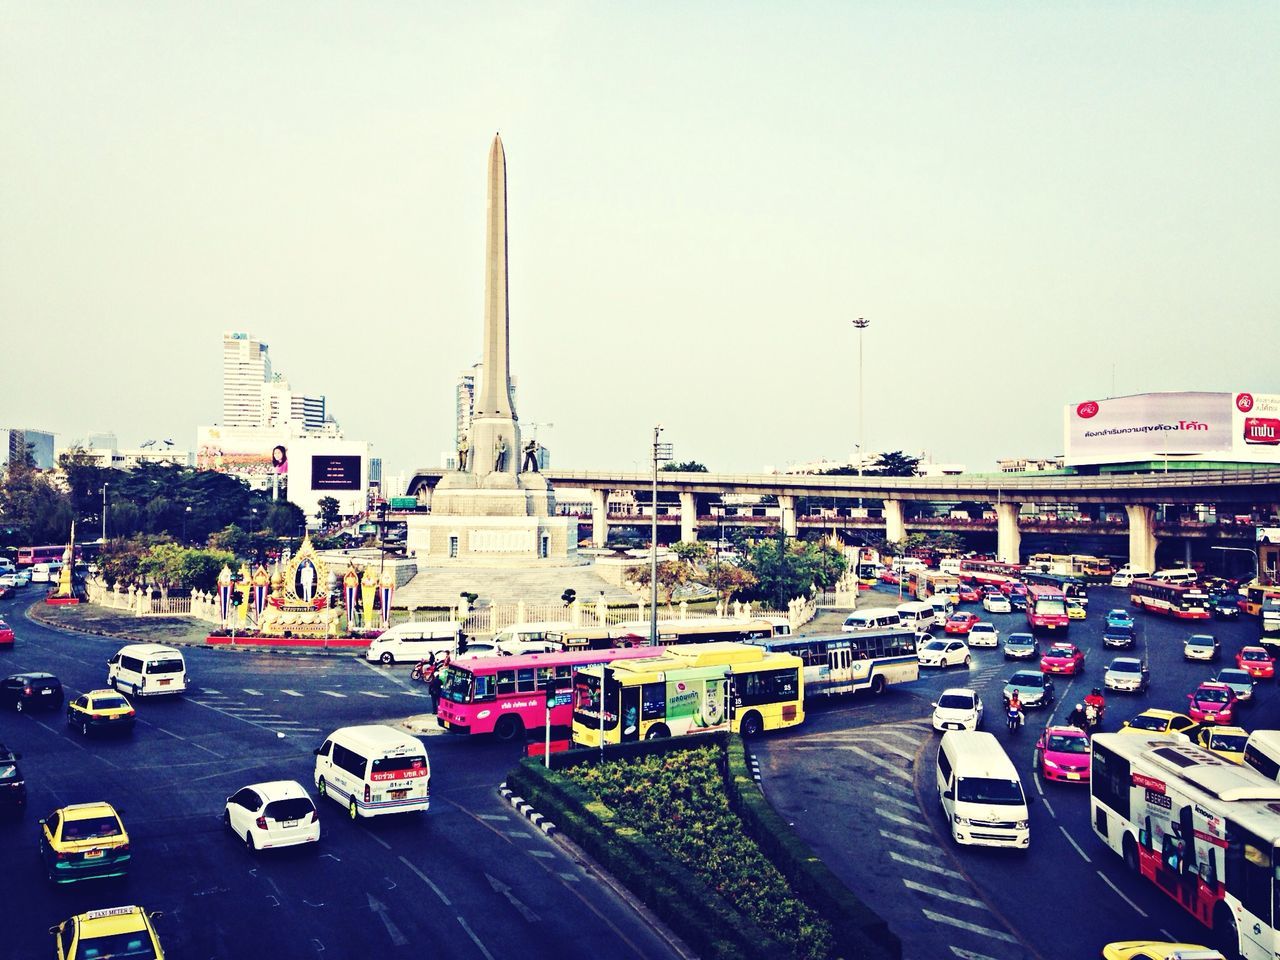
[465,402]
[15,445]
[281,406]
[246,368]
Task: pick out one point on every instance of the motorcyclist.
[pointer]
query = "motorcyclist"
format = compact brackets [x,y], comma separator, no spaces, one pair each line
[1078,718]
[1095,705]
[1015,708]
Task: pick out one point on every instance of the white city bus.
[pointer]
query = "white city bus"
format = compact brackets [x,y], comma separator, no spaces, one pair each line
[848,662]
[1201,828]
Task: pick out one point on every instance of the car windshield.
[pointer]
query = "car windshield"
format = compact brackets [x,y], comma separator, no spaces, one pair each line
[133,944]
[1254,655]
[1142,722]
[1235,676]
[1026,680]
[1065,743]
[8,771]
[960,618]
[983,628]
[90,827]
[1201,641]
[989,790]
[1228,741]
[295,808]
[1118,615]
[1020,640]
[935,645]
[1126,666]
[1059,651]
[955,701]
[1212,695]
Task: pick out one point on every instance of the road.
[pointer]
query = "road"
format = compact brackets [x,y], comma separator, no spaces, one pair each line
[470,878]
[857,782]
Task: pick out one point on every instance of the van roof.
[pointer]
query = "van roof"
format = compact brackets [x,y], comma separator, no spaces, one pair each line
[377,736]
[434,626]
[913,606]
[975,753]
[148,649]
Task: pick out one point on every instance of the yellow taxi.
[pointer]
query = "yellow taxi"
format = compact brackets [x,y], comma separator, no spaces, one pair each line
[100,710]
[1157,721]
[1157,950]
[115,932]
[1075,610]
[84,841]
[1226,742]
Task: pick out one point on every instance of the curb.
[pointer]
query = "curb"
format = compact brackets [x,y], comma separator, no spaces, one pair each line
[526,810]
[755,766]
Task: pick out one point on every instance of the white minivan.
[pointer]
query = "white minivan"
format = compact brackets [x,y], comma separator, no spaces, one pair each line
[980,792]
[147,670]
[372,769]
[1127,574]
[870,620]
[45,572]
[1262,752]
[1179,575]
[529,637]
[918,614]
[411,642]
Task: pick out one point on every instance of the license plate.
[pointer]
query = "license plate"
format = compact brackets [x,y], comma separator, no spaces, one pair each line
[399,794]
[165,683]
[45,693]
[93,854]
[1073,776]
[288,823]
[953,726]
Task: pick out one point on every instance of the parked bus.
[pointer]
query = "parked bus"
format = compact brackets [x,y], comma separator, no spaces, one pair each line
[1047,608]
[694,630]
[848,662]
[1204,830]
[1073,587]
[1171,599]
[869,572]
[1254,596]
[923,584]
[1094,570]
[1050,563]
[506,696]
[989,571]
[688,690]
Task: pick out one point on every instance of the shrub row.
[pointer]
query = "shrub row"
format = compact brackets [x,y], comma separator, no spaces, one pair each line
[859,932]
[704,919]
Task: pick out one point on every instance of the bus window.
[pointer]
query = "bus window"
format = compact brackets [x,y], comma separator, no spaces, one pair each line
[506,682]
[524,680]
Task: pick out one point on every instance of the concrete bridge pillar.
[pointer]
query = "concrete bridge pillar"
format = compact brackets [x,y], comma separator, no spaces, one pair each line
[1008,536]
[1142,537]
[895,528]
[688,517]
[599,517]
[788,505]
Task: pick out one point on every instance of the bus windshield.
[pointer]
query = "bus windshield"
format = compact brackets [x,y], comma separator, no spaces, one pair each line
[989,790]
[455,685]
[1051,608]
[586,702]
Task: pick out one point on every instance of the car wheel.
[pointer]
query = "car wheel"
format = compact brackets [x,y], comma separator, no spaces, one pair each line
[248,841]
[751,725]
[877,685]
[352,810]
[968,661]
[508,727]
[322,788]
[387,659]
[84,728]
[226,820]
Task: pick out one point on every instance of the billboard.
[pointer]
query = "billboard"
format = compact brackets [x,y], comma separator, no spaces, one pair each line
[335,472]
[1228,427]
[255,454]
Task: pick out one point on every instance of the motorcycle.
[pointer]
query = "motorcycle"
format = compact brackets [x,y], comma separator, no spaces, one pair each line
[1014,720]
[1095,707]
[423,671]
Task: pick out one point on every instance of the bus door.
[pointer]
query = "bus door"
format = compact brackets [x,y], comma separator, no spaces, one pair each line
[1251,878]
[630,713]
[840,666]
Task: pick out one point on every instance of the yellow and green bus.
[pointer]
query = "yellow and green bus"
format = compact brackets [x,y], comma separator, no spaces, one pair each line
[688,689]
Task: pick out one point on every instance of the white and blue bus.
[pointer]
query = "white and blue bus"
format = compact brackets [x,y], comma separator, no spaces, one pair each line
[848,662]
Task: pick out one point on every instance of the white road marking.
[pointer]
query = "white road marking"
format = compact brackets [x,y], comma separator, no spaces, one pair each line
[1071,840]
[867,755]
[251,692]
[1168,936]
[427,880]
[893,784]
[211,691]
[291,693]
[544,854]
[378,839]
[1039,787]
[908,841]
[493,816]
[571,877]
[475,939]
[1120,894]
[380,696]
[903,821]
[969,954]
[945,894]
[1048,806]
[971,927]
[924,865]
[334,693]
[894,750]
[889,798]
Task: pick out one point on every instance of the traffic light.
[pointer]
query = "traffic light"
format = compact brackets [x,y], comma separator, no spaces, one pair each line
[462,643]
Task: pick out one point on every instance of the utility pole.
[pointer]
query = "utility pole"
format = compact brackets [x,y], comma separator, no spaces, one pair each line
[860,325]
[661,451]
[104,514]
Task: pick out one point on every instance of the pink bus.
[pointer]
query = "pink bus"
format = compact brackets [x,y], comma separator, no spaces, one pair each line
[506,696]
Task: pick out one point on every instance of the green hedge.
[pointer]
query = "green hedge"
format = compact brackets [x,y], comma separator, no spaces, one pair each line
[859,932]
[701,917]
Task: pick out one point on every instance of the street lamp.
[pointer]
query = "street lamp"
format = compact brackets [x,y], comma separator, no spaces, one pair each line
[1253,556]
[661,451]
[860,325]
[104,514]
[185,515]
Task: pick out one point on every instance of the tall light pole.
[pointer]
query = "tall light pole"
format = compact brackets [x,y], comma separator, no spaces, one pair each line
[860,325]
[661,451]
[104,514]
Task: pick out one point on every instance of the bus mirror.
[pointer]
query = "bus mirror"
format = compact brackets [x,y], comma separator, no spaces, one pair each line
[949,795]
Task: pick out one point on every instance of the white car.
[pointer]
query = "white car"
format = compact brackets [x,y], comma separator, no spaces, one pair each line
[996,603]
[276,814]
[8,579]
[958,709]
[944,653]
[515,648]
[984,634]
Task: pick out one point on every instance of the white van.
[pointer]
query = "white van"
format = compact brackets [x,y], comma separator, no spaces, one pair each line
[1262,752]
[411,642]
[781,625]
[907,564]
[980,792]
[944,605]
[917,614]
[372,769]
[1127,574]
[529,637]
[949,565]
[1179,575]
[147,669]
[870,620]
[45,572]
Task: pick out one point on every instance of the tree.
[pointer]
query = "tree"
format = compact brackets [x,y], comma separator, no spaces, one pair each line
[330,513]
[727,579]
[691,552]
[894,464]
[231,538]
[672,574]
[685,466]
[788,568]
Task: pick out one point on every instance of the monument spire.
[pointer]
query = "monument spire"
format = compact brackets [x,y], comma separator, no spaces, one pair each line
[495,393]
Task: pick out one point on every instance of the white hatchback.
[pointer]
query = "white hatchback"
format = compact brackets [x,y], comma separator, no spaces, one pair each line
[276,814]
[983,634]
[996,603]
[959,708]
[944,653]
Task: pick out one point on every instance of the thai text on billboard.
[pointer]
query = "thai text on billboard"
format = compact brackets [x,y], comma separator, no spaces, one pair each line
[1149,426]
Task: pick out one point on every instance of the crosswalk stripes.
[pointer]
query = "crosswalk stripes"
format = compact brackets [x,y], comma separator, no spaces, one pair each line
[291,693]
[971,927]
[964,954]
[334,693]
[925,865]
[949,895]
[251,692]
[374,693]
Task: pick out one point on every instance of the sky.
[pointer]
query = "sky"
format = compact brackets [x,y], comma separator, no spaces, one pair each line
[1032,204]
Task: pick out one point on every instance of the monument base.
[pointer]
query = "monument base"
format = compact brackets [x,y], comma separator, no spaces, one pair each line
[460,494]
[493,541]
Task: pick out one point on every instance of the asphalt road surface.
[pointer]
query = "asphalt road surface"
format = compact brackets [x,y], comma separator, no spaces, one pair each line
[857,780]
[470,880]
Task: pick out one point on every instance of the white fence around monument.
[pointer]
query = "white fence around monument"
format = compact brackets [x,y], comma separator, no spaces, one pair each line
[478,621]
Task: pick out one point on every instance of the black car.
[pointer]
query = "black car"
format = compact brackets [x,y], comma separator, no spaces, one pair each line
[1018,602]
[1118,637]
[31,691]
[13,788]
[1225,607]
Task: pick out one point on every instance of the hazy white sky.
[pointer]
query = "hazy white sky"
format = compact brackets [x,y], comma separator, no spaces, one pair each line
[702,196]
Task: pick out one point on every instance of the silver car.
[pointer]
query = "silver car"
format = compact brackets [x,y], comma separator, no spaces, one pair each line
[1239,681]
[1126,674]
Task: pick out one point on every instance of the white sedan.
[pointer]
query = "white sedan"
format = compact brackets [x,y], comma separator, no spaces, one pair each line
[984,634]
[958,709]
[276,814]
[996,603]
[944,653]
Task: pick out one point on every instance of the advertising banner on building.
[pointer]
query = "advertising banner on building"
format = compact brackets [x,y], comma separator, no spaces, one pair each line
[1256,426]
[254,454]
[1149,426]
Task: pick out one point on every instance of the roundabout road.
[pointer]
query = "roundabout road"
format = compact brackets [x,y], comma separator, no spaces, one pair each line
[470,878]
[857,780]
